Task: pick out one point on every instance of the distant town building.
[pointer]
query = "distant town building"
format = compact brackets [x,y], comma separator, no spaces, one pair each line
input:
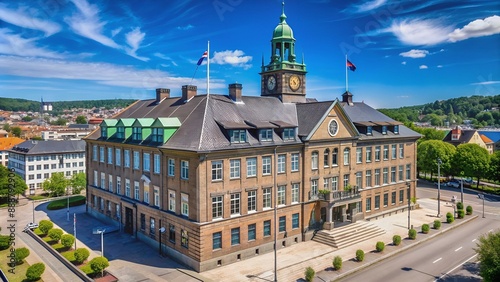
[459,136]
[6,143]
[35,161]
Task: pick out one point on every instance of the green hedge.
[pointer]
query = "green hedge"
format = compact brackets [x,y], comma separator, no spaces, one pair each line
[396,240]
[469,210]
[35,271]
[4,242]
[449,217]
[309,273]
[380,246]
[425,228]
[337,262]
[412,234]
[437,224]
[63,203]
[360,255]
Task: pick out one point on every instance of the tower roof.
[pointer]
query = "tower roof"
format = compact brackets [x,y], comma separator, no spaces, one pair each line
[283,30]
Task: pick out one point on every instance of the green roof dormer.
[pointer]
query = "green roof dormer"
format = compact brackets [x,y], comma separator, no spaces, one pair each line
[108,128]
[141,128]
[164,128]
[124,128]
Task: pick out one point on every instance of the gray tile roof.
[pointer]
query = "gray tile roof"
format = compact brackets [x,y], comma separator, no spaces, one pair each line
[465,137]
[32,147]
[309,114]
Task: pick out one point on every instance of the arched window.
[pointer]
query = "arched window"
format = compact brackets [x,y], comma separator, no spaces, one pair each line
[325,157]
[335,156]
[314,160]
[346,156]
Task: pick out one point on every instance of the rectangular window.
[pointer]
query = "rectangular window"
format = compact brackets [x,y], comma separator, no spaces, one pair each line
[282,195]
[217,207]
[157,197]
[171,167]
[238,136]
[314,187]
[295,162]
[126,158]
[368,154]
[184,169]
[146,192]
[377,202]
[216,170]
[368,204]
[335,183]
[136,133]
[281,163]
[326,183]
[401,151]
[171,233]
[136,190]
[289,134]
[401,195]
[266,165]
[234,169]
[136,160]
[101,154]
[369,130]
[94,153]
[127,188]
[143,222]
[377,153]
[386,152]
[266,198]
[217,241]
[347,156]
[156,164]
[118,185]
[377,177]
[252,200]
[359,155]
[235,203]
[152,228]
[346,180]
[385,175]
[46,166]
[295,192]
[251,167]
[396,129]
[282,224]
[120,132]
[184,204]
[393,198]
[267,228]
[384,129]
[314,160]
[184,238]
[393,151]
[252,230]
[235,236]
[110,155]
[266,135]
[408,171]
[295,221]
[110,183]
[146,163]
[386,199]
[103,180]
[368,178]
[400,173]
[393,174]
[359,179]
[171,200]
[157,135]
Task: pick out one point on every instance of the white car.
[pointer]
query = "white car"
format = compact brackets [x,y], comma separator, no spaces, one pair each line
[31,226]
[453,184]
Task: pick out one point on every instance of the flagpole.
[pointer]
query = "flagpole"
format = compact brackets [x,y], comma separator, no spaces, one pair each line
[346,75]
[208,68]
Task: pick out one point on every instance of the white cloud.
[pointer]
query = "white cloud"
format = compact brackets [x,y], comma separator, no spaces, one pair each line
[420,32]
[368,6]
[134,39]
[415,53]
[186,27]
[115,31]
[477,28]
[423,67]
[22,19]
[234,58]
[14,44]
[403,63]
[487,82]
[439,66]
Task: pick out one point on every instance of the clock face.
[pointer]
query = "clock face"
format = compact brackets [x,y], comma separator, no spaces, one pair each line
[271,82]
[333,127]
[294,82]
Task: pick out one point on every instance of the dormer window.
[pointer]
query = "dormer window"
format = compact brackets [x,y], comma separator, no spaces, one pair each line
[238,136]
[289,134]
[157,135]
[266,134]
[104,131]
[369,130]
[396,129]
[120,132]
[384,129]
[137,133]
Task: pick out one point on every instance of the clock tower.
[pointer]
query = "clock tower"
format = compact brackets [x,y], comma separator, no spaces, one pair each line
[283,77]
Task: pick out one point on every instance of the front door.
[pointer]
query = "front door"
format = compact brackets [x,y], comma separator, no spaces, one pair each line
[129,221]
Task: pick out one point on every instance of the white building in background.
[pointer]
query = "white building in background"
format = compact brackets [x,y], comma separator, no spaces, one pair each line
[35,161]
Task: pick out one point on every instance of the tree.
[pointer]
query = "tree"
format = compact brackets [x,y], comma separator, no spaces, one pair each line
[21,254]
[34,272]
[16,131]
[473,160]
[494,172]
[78,182]
[67,240]
[18,183]
[45,226]
[55,234]
[56,185]
[81,254]
[60,121]
[27,118]
[428,153]
[81,120]
[98,264]
[6,127]
[488,250]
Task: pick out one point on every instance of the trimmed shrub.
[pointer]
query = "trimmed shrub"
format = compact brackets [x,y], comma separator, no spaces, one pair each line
[81,254]
[98,264]
[310,273]
[4,242]
[425,228]
[63,203]
[460,206]
[437,224]
[449,217]
[34,272]
[380,246]
[21,254]
[412,234]
[337,262]
[460,213]
[67,240]
[396,240]
[45,226]
[468,209]
[55,234]
[360,255]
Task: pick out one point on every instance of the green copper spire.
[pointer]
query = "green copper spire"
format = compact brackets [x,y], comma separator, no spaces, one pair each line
[283,16]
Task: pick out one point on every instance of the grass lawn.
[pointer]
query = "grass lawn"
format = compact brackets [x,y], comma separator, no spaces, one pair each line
[39,197]
[20,270]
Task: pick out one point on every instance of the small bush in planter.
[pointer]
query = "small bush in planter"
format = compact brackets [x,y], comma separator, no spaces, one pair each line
[310,273]
[460,213]
[449,217]
[425,228]
[437,224]
[396,240]
[468,210]
[460,206]
[67,240]
[337,262]
[360,255]
[98,264]
[55,234]
[412,234]
[34,272]
[45,226]
[21,254]
[380,246]
[81,254]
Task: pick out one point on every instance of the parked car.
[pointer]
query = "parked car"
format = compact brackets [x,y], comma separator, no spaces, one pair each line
[453,184]
[31,226]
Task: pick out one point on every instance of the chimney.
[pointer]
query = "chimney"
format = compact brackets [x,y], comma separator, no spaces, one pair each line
[235,91]
[162,93]
[347,98]
[188,92]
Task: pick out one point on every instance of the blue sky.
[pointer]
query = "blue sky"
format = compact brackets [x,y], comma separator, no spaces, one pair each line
[406,52]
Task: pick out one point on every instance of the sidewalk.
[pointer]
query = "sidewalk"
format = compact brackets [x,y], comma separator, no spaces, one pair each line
[293,260]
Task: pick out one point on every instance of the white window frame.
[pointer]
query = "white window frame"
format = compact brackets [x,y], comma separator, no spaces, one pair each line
[157,163]
[234,168]
[146,161]
[251,167]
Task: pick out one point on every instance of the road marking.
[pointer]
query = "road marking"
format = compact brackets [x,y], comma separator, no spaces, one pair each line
[437,260]
[458,249]
[473,240]
[453,269]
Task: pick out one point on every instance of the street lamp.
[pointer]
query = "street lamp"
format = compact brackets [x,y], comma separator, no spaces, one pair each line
[33,201]
[67,197]
[162,230]
[101,231]
[483,201]
[408,184]
[439,187]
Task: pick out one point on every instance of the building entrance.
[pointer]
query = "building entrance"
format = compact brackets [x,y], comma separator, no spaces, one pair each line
[129,221]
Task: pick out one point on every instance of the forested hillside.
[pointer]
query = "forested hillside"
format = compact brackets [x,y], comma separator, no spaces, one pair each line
[14,104]
[480,110]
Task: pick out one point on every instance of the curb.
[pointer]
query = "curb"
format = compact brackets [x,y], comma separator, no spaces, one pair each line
[194,274]
[347,273]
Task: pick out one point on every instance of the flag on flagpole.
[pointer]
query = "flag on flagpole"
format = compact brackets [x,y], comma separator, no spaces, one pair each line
[350,65]
[205,55]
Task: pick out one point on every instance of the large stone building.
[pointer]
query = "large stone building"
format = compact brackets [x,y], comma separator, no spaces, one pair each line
[212,179]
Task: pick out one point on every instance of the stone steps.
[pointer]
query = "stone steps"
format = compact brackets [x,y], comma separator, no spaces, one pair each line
[348,235]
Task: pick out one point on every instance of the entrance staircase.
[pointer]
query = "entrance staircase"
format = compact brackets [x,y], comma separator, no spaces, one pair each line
[348,235]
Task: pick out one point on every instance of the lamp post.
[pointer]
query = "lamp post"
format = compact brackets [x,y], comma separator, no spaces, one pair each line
[102,240]
[33,201]
[462,187]
[408,184]
[483,201]
[67,197]
[439,187]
